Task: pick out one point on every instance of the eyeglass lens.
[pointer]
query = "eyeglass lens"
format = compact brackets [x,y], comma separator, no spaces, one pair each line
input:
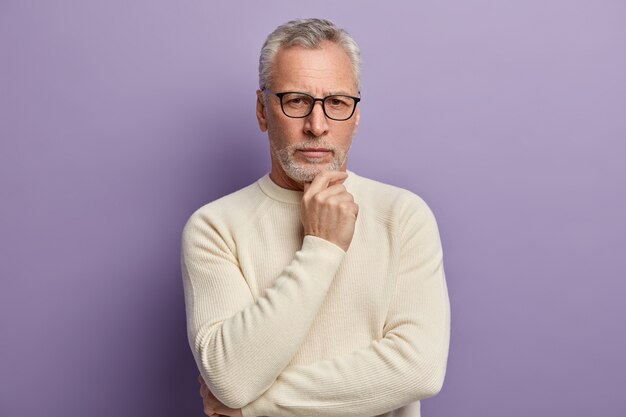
[300,105]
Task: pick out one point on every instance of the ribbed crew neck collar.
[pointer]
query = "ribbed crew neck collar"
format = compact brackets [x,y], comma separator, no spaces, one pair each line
[276,192]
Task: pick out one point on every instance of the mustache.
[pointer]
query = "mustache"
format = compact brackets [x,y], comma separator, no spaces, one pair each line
[313,143]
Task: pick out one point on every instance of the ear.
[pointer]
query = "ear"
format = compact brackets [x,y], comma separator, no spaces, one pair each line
[261,114]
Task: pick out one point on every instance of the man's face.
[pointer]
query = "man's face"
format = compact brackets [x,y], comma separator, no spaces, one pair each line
[303,147]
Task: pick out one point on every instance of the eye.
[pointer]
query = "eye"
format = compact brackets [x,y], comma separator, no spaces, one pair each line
[296,100]
[339,101]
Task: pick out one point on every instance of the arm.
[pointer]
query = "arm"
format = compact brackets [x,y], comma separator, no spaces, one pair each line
[236,341]
[406,365]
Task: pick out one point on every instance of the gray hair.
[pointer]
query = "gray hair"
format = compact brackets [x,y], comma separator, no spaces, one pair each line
[309,33]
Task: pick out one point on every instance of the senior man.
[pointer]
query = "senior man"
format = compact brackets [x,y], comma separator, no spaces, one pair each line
[314,291]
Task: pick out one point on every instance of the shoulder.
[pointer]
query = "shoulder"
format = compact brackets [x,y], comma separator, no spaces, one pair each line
[397,204]
[226,213]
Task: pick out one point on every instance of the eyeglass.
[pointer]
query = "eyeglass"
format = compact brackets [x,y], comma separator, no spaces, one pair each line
[298,105]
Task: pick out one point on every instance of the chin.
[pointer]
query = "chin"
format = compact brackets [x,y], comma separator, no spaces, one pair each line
[306,172]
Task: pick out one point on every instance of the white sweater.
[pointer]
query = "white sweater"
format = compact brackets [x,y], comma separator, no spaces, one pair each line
[282,324]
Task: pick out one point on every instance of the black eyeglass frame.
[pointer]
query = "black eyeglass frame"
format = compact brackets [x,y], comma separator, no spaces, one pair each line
[323,100]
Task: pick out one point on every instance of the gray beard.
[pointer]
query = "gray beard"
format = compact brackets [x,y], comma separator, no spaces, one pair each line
[306,174]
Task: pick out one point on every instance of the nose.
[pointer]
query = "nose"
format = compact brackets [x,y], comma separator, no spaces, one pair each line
[316,123]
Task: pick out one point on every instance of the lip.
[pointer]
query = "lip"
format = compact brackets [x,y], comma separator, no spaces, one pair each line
[314,152]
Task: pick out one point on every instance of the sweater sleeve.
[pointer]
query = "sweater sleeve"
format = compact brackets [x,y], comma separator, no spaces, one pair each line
[406,365]
[236,340]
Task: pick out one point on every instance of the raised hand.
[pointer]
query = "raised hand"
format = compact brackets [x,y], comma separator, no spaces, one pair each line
[328,209]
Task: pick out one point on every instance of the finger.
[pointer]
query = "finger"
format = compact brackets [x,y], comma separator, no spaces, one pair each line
[339,181]
[209,404]
[208,410]
[209,398]
[355,210]
[333,191]
[221,409]
[216,408]
[342,204]
[203,388]
[307,184]
[204,391]
[323,179]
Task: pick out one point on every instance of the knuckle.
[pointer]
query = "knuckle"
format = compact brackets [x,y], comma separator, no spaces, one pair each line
[335,202]
[348,207]
[317,198]
[344,206]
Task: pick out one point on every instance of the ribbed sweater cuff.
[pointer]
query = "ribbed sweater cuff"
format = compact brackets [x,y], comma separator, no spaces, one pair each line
[317,243]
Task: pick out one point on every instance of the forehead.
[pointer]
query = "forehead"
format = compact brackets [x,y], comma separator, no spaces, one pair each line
[322,70]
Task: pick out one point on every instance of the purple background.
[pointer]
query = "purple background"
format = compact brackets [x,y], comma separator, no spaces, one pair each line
[120,118]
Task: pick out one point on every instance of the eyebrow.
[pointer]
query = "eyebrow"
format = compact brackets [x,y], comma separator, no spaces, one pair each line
[330,93]
[341,93]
